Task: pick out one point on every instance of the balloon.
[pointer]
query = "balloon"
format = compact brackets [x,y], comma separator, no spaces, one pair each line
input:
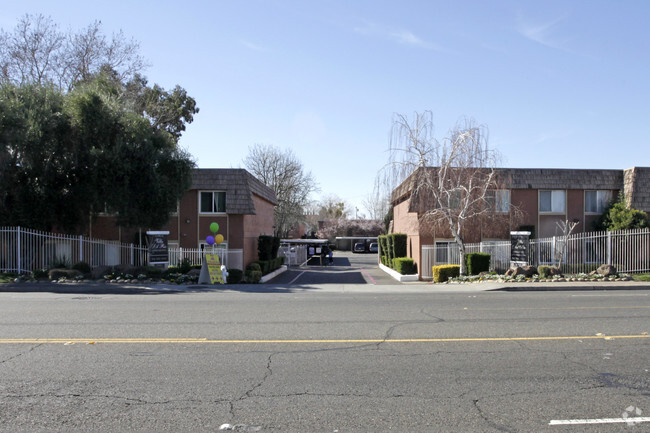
[214,227]
[210,240]
[218,239]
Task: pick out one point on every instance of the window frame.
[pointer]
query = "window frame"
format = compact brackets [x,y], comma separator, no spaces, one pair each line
[214,202]
[608,198]
[498,200]
[552,211]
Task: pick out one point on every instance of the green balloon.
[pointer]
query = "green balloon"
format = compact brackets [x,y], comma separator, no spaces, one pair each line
[214,227]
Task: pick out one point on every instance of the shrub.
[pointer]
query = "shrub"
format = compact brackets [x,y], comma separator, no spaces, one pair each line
[265,247]
[275,247]
[390,252]
[185,266]
[39,274]
[235,276]
[547,271]
[399,244]
[82,267]
[404,265]
[253,277]
[383,246]
[55,274]
[477,263]
[444,272]
[254,266]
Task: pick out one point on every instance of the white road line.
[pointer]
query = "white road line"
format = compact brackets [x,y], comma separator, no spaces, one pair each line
[630,420]
[299,275]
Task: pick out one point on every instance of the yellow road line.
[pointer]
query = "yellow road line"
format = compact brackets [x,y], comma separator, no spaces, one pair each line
[303,341]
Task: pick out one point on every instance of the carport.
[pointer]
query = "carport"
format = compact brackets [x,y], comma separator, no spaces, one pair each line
[346,243]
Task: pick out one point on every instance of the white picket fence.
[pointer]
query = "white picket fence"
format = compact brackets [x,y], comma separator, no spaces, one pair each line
[24,250]
[627,250]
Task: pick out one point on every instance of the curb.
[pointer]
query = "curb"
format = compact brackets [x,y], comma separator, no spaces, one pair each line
[397,276]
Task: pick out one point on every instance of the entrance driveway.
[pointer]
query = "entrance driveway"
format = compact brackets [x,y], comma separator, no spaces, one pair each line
[348,268]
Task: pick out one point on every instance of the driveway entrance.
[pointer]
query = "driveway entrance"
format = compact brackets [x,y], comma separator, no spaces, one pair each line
[348,268]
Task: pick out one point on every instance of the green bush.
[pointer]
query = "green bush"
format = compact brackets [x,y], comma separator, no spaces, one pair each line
[390,252]
[399,244]
[383,246]
[253,277]
[275,247]
[547,271]
[404,265]
[82,267]
[235,276]
[444,272]
[185,266]
[55,274]
[477,263]
[265,247]
[39,274]
[254,266]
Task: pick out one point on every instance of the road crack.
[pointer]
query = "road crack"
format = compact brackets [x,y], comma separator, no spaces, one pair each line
[21,354]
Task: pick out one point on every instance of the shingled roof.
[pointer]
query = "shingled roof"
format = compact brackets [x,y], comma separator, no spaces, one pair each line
[638,179]
[239,185]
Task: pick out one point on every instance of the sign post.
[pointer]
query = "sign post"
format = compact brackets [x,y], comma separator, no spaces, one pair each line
[519,242]
[158,248]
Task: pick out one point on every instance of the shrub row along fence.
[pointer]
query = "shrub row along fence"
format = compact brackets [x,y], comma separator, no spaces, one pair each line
[627,250]
[25,250]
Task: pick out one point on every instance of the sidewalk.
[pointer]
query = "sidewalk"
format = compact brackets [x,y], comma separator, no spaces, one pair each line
[397,288]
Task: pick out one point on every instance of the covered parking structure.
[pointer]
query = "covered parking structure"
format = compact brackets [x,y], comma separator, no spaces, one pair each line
[346,243]
[298,251]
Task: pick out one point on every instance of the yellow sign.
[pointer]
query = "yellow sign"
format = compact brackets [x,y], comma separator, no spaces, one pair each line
[214,268]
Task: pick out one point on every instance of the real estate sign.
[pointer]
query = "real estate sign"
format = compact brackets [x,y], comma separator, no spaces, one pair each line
[158,247]
[211,272]
[519,242]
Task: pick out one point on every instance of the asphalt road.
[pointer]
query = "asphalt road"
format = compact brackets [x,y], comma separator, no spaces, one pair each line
[323,361]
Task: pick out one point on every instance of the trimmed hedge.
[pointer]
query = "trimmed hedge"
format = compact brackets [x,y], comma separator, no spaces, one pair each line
[253,277]
[477,263]
[390,252]
[265,247]
[405,265]
[399,244]
[55,274]
[235,276]
[444,272]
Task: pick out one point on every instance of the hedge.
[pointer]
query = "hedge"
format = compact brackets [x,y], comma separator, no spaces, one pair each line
[444,272]
[405,265]
[235,276]
[477,263]
[265,247]
[390,252]
[399,244]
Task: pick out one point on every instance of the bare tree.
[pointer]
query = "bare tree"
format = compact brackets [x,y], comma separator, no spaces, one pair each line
[378,202]
[38,52]
[449,179]
[283,172]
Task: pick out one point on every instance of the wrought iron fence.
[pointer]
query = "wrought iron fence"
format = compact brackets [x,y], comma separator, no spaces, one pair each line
[24,250]
[627,250]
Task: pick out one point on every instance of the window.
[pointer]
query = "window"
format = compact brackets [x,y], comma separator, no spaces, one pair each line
[552,201]
[596,201]
[212,202]
[498,200]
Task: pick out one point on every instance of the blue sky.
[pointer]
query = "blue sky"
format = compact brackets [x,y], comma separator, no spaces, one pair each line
[559,84]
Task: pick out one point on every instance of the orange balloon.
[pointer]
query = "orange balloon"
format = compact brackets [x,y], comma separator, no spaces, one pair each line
[218,239]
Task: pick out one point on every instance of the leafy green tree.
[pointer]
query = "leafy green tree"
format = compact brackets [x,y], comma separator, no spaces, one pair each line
[617,216]
[65,156]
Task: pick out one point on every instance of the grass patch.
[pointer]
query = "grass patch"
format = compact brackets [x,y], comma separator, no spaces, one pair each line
[640,277]
[7,277]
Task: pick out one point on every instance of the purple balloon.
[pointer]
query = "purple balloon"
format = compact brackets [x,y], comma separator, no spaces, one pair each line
[210,240]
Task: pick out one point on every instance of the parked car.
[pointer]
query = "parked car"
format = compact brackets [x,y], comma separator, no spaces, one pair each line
[373,248]
[359,247]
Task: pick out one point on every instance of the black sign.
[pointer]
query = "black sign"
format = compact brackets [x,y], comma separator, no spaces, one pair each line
[519,246]
[158,251]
